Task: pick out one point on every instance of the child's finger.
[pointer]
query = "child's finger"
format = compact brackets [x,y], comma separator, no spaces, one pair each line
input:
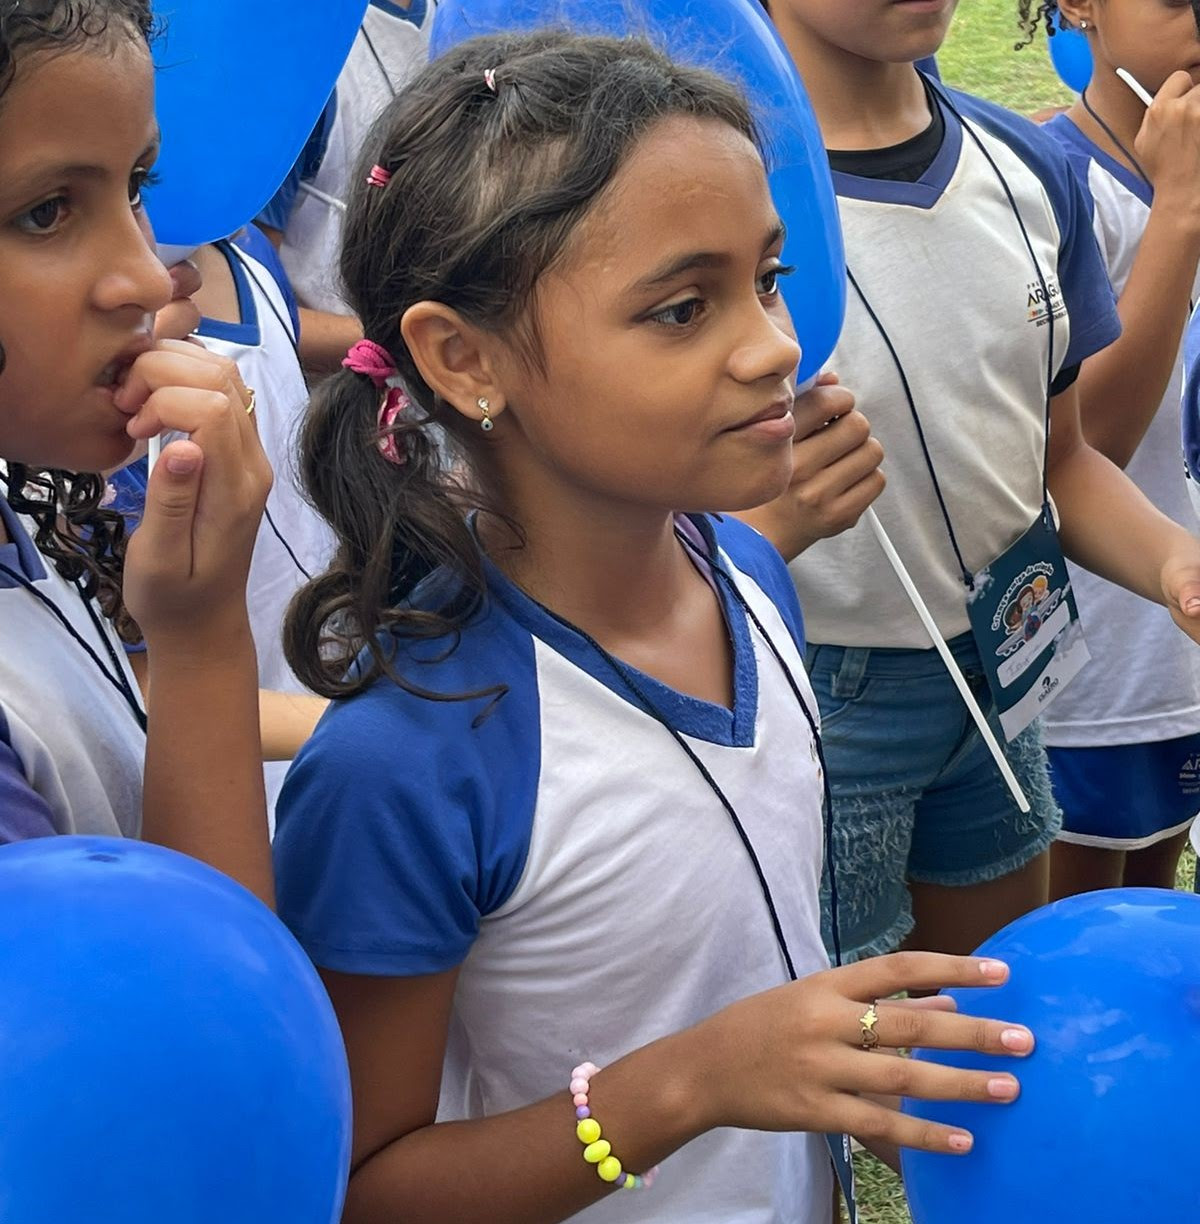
[177,363]
[172,494]
[875,1124]
[884,976]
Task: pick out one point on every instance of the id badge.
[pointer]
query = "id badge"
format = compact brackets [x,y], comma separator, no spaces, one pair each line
[1026,625]
[843,1166]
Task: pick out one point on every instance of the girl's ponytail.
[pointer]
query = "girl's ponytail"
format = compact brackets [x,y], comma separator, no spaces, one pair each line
[396,520]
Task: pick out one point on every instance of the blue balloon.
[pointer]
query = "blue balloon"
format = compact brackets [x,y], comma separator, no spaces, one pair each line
[1071,55]
[240,85]
[735,39]
[1109,983]
[167,1052]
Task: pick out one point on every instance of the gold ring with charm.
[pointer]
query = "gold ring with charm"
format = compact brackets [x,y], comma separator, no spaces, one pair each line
[867,1022]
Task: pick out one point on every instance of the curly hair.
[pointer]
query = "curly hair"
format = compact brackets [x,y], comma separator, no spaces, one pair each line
[1033,15]
[85,542]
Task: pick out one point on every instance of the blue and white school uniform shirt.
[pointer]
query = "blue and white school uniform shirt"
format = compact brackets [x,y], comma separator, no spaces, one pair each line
[943,263]
[560,847]
[1144,682]
[392,45]
[71,750]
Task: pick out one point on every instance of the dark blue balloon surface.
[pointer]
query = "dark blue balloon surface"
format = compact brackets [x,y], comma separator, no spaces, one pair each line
[735,39]
[240,87]
[167,1052]
[1104,1130]
[1071,56]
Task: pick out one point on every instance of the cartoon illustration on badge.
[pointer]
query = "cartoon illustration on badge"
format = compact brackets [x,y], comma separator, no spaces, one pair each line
[1025,611]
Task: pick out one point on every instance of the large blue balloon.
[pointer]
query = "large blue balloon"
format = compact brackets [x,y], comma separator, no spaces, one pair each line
[734,38]
[1103,1131]
[167,1052]
[1071,55]
[241,84]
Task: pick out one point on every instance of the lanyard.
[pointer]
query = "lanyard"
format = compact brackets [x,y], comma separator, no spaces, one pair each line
[116,677]
[965,572]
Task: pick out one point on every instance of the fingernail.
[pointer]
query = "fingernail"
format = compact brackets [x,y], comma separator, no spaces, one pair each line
[1192,606]
[1017,1040]
[993,968]
[960,1143]
[1002,1088]
[181,465]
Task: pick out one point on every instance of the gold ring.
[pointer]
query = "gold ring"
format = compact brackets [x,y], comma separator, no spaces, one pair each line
[867,1022]
[251,405]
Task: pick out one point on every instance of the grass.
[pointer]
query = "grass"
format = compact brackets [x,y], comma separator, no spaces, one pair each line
[978,57]
[880,1194]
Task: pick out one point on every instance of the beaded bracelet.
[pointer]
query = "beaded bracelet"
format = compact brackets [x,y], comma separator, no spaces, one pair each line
[596,1149]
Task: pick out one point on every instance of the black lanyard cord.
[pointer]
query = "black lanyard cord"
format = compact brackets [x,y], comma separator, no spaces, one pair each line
[627,678]
[1133,161]
[116,677]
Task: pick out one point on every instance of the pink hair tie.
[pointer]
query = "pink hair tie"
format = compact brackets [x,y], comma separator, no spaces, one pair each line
[373,361]
[379,177]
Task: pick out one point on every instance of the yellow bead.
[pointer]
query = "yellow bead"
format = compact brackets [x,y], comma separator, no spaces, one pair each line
[609,1169]
[594,1153]
[588,1130]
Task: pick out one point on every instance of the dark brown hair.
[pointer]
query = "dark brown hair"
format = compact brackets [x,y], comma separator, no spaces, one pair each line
[487,185]
[85,542]
[1033,15]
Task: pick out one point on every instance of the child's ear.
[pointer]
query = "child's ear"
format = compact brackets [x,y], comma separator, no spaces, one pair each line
[454,358]
[1075,12]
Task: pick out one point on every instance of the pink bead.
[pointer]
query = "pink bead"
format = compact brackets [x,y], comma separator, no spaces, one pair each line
[578,1072]
[579,1085]
[583,1112]
[580,1098]
[589,1069]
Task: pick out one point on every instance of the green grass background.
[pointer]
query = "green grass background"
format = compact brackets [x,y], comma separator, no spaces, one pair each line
[979,57]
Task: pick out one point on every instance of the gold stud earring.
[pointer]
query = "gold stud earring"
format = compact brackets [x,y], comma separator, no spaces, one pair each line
[484,406]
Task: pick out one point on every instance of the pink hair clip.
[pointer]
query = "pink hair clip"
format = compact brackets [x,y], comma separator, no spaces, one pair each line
[379,177]
[489,78]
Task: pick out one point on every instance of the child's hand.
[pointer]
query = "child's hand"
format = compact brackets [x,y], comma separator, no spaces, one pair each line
[1181,587]
[186,568]
[181,316]
[835,472]
[1168,148]
[793,1058]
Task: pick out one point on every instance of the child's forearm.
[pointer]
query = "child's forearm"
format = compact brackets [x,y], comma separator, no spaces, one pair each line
[203,782]
[1109,526]
[286,722]
[1122,386]
[527,1166]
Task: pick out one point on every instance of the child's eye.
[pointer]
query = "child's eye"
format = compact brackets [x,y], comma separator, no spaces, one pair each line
[679,314]
[43,218]
[139,180]
[768,283]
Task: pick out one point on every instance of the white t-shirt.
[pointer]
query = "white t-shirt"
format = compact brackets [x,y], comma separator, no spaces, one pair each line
[564,852]
[943,263]
[392,45]
[71,749]
[1143,684]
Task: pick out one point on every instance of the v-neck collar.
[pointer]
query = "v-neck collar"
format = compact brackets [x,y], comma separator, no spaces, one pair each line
[690,716]
[928,189]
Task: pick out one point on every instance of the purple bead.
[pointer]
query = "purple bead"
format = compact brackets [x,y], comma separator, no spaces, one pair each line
[582,1112]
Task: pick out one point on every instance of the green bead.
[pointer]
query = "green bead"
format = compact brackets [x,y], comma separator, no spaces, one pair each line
[588,1130]
[594,1153]
[609,1169]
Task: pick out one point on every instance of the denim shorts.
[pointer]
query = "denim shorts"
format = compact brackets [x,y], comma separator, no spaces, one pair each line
[916,794]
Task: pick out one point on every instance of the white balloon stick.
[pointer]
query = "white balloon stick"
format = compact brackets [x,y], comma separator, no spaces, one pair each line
[960,682]
[1133,84]
[153,450]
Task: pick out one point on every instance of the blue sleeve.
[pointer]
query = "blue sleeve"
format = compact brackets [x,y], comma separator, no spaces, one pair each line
[756,556]
[23,812]
[278,209]
[258,246]
[1087,292]
[404,822]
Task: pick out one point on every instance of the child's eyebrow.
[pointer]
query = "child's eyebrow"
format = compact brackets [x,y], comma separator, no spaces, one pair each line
[698,260]
[29,178]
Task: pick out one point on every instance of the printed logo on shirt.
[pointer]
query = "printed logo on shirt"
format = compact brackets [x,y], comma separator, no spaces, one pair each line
[1035,305]
[1189,776]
